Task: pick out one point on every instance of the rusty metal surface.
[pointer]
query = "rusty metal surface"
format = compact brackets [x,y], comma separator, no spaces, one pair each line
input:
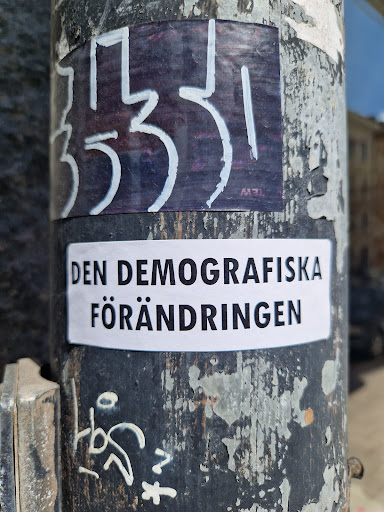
[248,431]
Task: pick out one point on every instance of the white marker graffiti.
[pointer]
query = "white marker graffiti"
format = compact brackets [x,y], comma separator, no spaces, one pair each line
[248,112]
[200,96]
[94,142]
[89,472]
[100,440]
[155,491]
[107,400]
[66,127]
[125,470]
[157,468]
[151,98]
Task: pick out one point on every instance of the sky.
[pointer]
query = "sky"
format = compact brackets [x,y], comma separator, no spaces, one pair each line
[364,34]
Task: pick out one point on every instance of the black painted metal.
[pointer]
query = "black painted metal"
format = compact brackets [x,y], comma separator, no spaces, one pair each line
[247,431]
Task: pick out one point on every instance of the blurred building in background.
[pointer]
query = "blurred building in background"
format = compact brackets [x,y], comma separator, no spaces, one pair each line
[366,183]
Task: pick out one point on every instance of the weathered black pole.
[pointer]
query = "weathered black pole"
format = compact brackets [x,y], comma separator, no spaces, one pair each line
[199,254]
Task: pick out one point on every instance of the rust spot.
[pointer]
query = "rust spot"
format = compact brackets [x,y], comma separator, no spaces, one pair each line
[192,220]
[346,507]
[245,6]
[135,503]
[163,226]
[179,226]
[208,8]
[308,416]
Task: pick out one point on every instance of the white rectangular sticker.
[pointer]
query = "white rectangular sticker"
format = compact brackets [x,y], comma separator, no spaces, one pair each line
[198,295]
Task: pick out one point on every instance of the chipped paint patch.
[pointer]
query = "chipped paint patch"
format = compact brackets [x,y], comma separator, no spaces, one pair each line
[232,445]
[329,374]
[266,413]
[190,8]
[285,490]
[256,508]
[62,47]
[258,12]
[321,27]
[167,380]
[329,207]
[328,436]
[124,6]
[330,492]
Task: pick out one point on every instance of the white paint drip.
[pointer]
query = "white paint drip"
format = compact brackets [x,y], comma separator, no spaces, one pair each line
[199,96]
[66,128]
[323,31]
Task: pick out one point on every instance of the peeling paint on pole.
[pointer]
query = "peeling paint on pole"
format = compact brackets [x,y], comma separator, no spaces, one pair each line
[255,430]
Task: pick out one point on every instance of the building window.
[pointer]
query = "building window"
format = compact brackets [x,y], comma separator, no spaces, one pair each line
[352,147]
[364,261]
[364,151]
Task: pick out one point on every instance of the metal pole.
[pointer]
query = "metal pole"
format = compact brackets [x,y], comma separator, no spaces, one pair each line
[199,237]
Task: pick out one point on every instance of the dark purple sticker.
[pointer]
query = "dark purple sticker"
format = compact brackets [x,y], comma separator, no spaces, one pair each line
[169,116]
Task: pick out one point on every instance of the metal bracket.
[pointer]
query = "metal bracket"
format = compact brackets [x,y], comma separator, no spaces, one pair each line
[29,440]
